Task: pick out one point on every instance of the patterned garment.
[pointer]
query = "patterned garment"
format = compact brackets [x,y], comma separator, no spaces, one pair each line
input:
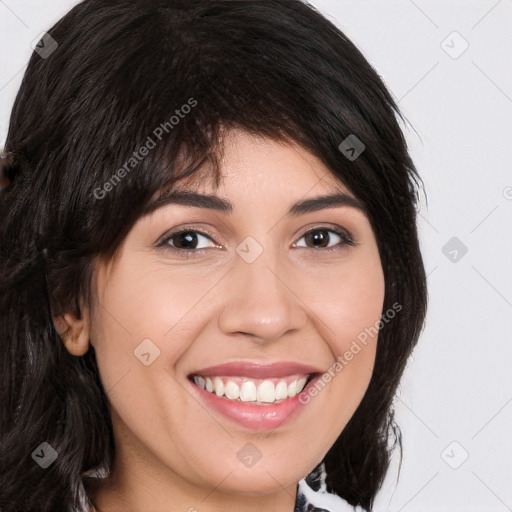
[312,495]
[303,505]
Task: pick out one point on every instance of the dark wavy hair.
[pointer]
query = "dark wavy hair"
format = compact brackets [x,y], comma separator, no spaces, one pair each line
[121,69]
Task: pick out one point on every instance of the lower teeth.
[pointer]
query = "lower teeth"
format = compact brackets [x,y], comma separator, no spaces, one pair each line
[257,403]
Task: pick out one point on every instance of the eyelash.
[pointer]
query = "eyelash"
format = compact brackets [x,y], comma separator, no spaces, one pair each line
[346,239]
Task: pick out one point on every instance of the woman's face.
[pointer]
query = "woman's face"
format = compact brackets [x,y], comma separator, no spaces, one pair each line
[260,283]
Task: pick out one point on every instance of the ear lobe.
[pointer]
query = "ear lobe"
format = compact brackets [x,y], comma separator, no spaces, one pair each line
[74,332]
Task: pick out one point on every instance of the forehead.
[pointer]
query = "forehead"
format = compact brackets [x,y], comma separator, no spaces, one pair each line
[252,164]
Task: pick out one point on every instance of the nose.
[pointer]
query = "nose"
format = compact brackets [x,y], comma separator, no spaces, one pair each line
[260,301]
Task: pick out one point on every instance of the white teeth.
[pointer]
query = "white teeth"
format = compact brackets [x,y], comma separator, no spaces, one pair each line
[232,390]
[301,383]
[292,389]
[266,392]
[256,391]
[218,386]
[281,390]
[248,391]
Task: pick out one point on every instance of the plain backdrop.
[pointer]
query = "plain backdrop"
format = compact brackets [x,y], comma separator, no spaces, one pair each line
[447,63]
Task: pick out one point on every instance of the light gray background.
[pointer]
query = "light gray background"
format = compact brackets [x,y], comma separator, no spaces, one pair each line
[455,399]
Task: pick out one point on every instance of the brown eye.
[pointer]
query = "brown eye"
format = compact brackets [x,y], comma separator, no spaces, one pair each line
[323,238]
[188,240]
[318,238]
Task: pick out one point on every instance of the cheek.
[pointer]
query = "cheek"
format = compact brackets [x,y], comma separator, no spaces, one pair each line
[134,319]
[348,302]
[143,326]
[348,299]
[139,301]
[359,299]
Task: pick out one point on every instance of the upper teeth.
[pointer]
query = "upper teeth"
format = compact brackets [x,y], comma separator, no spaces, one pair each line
[253,390]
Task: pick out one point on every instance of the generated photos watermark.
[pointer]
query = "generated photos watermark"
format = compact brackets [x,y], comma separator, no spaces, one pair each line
[143,151]
[354,349]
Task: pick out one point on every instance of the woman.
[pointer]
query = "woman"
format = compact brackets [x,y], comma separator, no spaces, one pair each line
[211,276]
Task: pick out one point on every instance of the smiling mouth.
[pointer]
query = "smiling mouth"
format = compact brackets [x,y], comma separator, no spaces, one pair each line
[253,391]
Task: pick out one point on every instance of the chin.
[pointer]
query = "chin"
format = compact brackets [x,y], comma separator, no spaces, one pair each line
[252,482]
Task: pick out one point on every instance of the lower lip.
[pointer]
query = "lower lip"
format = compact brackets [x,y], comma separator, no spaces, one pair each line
[254,417]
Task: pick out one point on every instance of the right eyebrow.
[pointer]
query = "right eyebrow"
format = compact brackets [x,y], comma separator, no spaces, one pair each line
[188,198]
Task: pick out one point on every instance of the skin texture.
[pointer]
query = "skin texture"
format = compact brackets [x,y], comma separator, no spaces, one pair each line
[293,303]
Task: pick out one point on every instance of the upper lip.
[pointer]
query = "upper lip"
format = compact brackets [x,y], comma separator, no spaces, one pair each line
[257,370]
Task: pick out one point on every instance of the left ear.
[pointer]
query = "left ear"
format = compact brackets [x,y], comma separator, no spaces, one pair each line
[74,332]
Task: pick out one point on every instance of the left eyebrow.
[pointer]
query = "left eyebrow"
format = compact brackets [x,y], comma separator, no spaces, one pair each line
[328,201]
[193,199]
